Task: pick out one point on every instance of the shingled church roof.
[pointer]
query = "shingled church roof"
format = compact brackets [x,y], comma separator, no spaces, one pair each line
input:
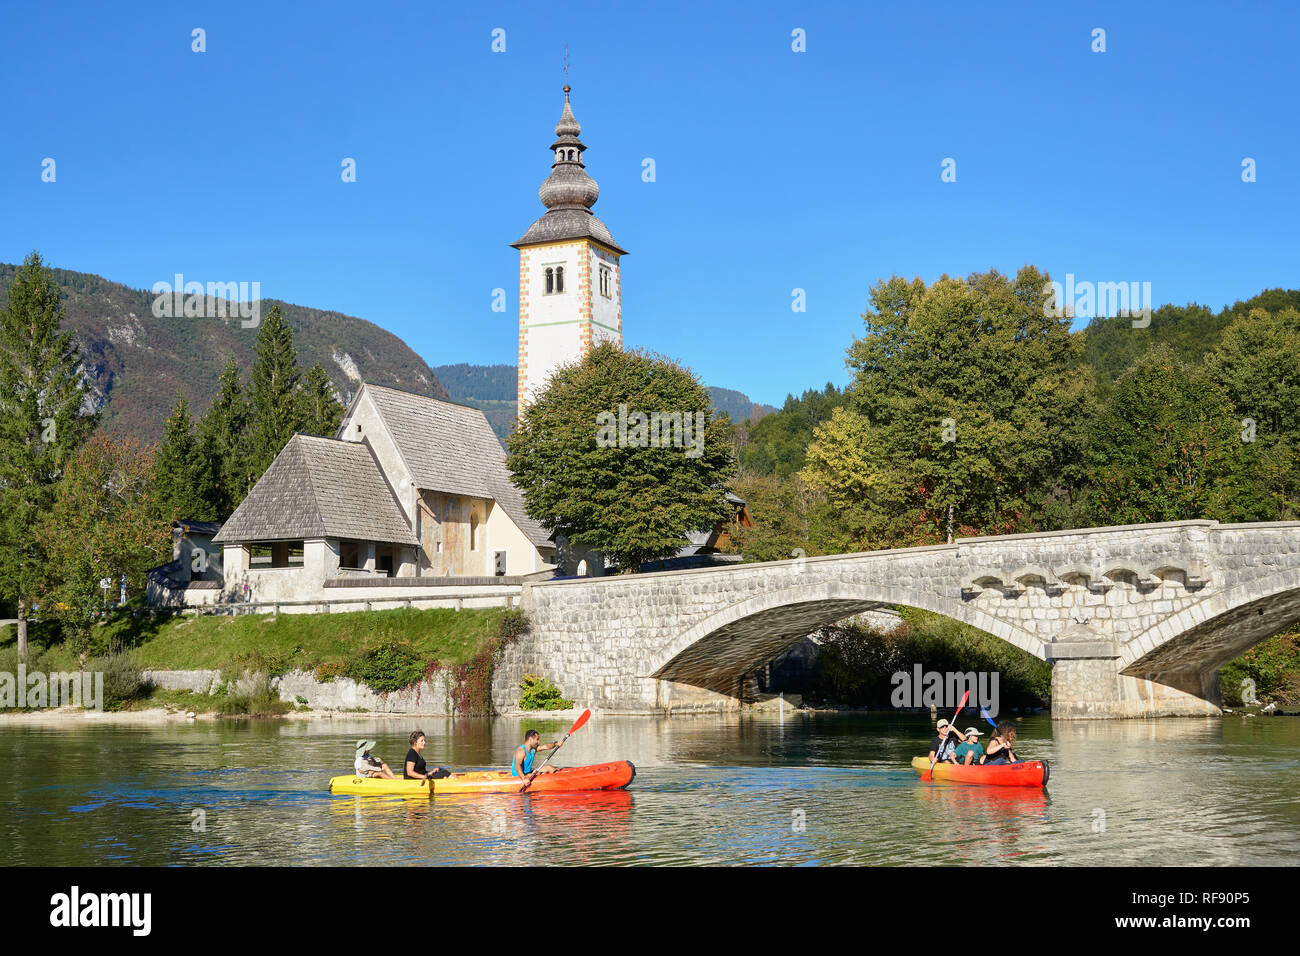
[452,449]
[320,488]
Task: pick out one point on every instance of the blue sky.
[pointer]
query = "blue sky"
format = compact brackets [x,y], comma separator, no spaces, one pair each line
[775,170]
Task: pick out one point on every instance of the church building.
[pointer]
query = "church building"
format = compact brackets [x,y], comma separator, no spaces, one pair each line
[413,493]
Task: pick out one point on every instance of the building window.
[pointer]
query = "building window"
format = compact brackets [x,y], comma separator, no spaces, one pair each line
[554,280]
[606,283]
[473,530]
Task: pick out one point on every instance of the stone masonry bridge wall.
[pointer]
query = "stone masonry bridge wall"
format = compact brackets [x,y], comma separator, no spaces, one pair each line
[1136,620]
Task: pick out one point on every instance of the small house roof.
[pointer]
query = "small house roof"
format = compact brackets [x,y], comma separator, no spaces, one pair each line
[320,488]
[452,449]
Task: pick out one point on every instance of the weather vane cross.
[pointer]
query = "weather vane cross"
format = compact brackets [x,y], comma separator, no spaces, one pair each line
[566,64]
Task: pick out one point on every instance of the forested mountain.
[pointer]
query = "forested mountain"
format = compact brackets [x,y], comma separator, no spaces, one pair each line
[137,362]
[1112,345]
[494,388]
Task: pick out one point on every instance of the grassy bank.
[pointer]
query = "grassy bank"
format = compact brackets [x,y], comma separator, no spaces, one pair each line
[387,650]
[278,645]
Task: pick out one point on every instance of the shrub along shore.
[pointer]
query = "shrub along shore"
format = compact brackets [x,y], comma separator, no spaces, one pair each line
[386,650]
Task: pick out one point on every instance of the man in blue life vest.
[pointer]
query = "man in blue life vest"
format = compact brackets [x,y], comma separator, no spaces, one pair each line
[524,754]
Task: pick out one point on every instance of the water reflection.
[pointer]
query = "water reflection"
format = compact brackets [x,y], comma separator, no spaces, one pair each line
[809,789]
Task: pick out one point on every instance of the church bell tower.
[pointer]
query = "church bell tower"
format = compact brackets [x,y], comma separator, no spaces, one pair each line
[570,291]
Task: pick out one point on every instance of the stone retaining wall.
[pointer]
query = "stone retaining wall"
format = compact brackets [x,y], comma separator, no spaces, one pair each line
[429,697]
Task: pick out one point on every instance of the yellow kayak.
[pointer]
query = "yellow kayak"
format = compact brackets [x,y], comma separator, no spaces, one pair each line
[606,776]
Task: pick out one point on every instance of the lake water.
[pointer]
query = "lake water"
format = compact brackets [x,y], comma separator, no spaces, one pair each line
[812,789]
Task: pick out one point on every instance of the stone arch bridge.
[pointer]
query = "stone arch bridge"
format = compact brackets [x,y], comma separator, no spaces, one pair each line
[1135,620]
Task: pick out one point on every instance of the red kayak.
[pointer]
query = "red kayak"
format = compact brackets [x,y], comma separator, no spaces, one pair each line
[1025,773]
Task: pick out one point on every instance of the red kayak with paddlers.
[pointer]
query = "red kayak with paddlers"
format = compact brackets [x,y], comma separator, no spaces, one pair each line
[970,763]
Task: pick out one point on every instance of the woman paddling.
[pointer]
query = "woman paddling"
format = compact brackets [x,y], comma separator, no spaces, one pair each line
[999,748]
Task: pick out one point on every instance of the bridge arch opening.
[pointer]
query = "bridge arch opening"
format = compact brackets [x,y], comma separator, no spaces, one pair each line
[1206,637]
[718,653]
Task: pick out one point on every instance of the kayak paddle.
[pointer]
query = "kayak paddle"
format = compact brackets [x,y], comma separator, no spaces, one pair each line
[928,776]
[577,725]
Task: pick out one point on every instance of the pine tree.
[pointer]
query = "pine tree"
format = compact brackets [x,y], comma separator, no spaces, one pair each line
[43,421]
[223,446]
[274,411]
[320,411]
[179,468]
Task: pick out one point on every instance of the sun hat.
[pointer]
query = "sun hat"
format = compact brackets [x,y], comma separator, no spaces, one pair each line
[364,745]
[972,731]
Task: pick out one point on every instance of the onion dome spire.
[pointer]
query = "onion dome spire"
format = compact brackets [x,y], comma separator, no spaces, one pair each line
[568,186]
[568,192]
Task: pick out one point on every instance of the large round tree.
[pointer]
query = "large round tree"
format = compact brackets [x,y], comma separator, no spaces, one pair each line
[621,453]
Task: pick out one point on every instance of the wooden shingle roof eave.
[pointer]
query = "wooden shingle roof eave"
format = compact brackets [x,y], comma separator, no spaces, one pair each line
[320,488]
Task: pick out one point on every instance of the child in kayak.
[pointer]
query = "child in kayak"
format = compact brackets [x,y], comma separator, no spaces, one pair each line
[416,769]
[970,750]
[368,765]
[1000,745]
[525,752]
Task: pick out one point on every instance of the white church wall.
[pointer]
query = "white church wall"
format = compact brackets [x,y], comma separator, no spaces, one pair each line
[504,534]
[372,429]
[606,313]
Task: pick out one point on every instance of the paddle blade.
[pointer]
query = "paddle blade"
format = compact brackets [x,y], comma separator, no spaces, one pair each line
[586,716]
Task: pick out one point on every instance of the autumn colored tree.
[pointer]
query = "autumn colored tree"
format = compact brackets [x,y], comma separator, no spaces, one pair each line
[106,520]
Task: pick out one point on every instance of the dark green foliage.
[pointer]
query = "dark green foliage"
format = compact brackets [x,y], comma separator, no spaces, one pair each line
[776,444]
[43,420]
[274,412]
[514,623]
[633,501]
[180,468]
[1166,448]
[320,411]
[1273,666]
[966,401]
[388,665]
[540,694]
[222,446]
[858,661]
[495,389]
